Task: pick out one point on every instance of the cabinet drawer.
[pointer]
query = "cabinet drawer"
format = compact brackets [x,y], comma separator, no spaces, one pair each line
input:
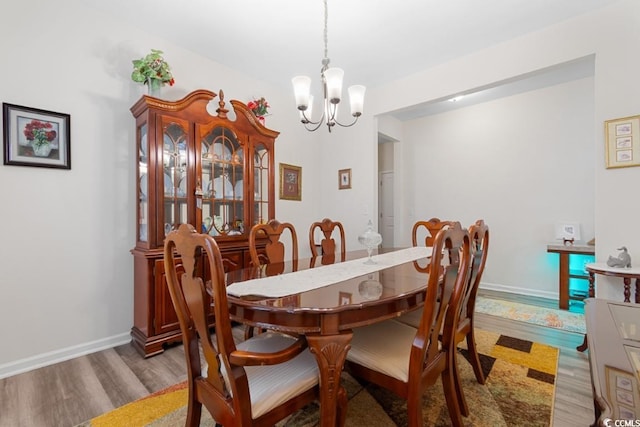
[233,260]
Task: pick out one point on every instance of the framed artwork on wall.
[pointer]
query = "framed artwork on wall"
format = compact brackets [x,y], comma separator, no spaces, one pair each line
[290,182]
[344,179]
[622,138]
[34,137]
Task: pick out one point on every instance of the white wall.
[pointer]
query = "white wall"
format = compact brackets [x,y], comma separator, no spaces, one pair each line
[609,34]
[522,164]
[67,276]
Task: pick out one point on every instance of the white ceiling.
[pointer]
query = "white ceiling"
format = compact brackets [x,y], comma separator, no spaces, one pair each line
[374,41]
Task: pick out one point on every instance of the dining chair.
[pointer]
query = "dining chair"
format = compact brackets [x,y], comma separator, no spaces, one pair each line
[272,258]
[479,239]
[328,243]
[254,383]
[273,255]
[431,228]
[406,360]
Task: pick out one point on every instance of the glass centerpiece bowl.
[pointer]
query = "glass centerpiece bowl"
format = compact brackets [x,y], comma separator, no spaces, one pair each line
[370,289]
[370,240]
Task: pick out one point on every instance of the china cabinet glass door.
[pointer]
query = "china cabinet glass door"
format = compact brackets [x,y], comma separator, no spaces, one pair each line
[175,182]
[221,178]
[261,184]
[143,184]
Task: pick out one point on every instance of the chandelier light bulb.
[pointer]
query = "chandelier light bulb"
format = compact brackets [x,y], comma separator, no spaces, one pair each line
[333,78]
[302,90]
[356,97]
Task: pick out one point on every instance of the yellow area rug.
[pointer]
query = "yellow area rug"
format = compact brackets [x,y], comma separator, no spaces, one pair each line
[519,391]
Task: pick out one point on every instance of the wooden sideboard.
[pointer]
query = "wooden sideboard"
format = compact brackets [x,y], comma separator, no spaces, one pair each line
[565,274]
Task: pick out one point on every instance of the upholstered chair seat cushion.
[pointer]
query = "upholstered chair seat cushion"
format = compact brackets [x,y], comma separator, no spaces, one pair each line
[384,347]
[271,385]
[411,318]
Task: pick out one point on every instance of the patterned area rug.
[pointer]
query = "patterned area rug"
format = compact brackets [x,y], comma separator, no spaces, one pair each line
[519,391]
[549,317]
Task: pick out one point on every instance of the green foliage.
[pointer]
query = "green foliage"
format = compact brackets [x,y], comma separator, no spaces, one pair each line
[152,67]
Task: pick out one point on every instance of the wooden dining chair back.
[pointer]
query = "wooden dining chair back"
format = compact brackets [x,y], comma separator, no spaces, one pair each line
[407,360]
[328,247]
[424,234]
[273,256]
[479,238]
[256,383]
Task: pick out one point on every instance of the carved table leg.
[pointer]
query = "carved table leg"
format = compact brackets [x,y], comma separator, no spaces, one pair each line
[627,289]
[330,352]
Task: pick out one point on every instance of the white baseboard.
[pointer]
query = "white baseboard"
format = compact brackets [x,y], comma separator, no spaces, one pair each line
[520,291]
[46,359]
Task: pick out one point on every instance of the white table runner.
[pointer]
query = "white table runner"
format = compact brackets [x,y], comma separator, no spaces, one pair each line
[313,278]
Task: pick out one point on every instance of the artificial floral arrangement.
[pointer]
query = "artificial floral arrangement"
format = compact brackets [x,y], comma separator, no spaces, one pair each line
[152,69]
[259,107]
[39,133]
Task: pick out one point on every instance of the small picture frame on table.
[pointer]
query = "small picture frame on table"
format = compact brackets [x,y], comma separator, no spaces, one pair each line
[344,179]
[622,138]
[34,137]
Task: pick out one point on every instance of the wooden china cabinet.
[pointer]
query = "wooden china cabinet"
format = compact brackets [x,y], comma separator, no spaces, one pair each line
[198,168]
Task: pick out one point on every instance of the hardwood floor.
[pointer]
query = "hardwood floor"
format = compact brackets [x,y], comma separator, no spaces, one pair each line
[68,393]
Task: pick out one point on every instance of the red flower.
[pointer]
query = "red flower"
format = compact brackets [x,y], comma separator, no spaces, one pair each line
[259,107]
[40,132]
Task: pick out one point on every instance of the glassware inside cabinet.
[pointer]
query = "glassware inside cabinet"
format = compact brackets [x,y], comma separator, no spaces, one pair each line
[143,180]
[175,182]
[261,185]
[222,183]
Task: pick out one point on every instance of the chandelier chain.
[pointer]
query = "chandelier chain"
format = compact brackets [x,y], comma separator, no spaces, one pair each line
[326,31]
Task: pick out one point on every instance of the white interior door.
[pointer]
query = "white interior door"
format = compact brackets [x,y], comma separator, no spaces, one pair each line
[385,194]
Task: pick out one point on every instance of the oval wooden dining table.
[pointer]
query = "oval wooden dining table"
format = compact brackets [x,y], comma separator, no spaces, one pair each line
[327,315]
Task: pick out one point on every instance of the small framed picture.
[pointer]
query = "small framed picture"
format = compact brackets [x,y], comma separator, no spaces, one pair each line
[344,179]
[622,393]
[622,138]
[344,298]
[290,182]
[567,230]
[34,137]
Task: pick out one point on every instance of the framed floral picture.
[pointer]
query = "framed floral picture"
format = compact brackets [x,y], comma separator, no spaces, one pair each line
[34,137]
[344,179]
[290,182]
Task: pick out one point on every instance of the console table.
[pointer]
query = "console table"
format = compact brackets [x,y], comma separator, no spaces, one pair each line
[627,274]
[613,331]
[565,274]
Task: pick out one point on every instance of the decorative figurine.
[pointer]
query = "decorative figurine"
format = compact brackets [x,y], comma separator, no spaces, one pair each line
[623,260]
